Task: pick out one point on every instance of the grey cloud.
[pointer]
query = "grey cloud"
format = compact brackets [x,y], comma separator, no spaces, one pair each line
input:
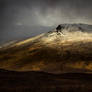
[18,18]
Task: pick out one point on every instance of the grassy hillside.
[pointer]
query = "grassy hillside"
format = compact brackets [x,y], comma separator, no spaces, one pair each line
[72,57]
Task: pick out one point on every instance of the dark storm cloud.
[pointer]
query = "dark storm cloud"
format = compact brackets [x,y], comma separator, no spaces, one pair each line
[20,18]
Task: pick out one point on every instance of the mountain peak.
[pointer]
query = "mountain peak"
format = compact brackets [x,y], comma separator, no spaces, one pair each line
[74,27]
[69,27]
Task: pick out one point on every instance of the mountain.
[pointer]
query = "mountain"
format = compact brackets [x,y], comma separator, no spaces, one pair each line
[65,50]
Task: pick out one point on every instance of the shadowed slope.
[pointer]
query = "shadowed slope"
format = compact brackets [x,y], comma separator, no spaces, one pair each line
[11,81]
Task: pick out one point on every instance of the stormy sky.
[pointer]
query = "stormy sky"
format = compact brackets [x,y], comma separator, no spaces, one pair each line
[26,18]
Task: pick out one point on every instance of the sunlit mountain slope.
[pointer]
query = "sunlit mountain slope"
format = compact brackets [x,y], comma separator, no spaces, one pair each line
[68,50]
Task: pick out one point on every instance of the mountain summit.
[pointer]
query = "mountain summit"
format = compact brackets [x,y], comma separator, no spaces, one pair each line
[75,27]
[68,27]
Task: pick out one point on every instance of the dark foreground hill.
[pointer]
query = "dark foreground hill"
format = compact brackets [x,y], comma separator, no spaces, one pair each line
[11,81]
